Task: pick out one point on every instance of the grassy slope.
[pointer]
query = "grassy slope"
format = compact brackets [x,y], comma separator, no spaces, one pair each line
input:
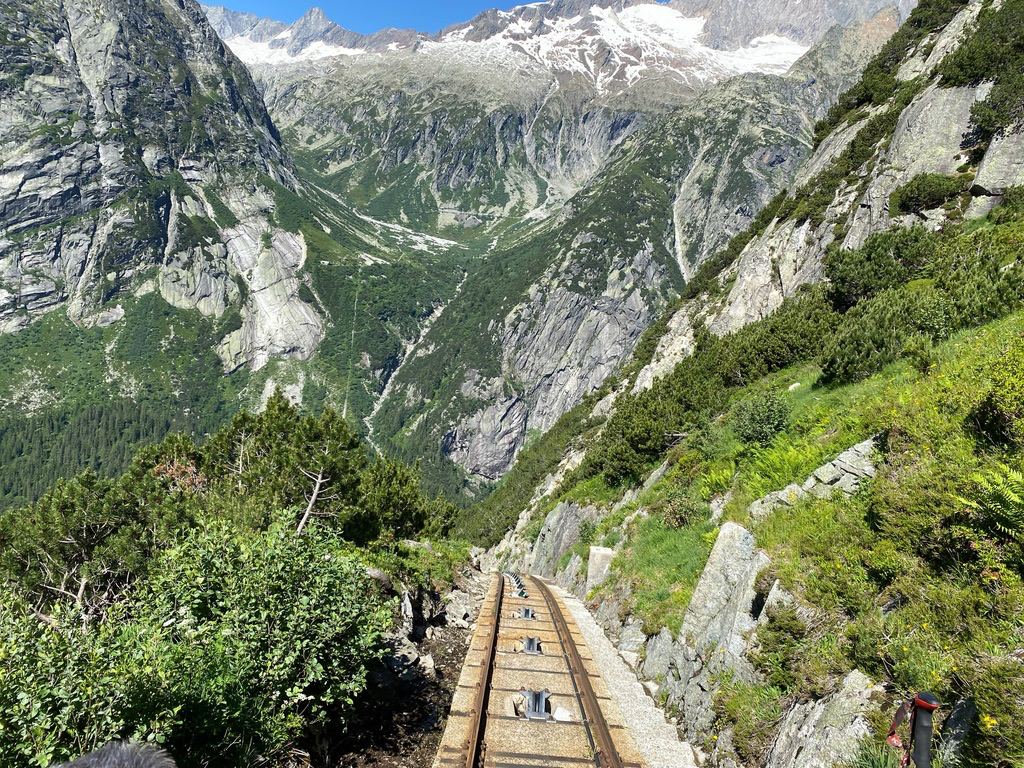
[949,622]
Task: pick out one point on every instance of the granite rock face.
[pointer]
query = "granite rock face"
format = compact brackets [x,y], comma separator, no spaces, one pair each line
[824,733]
[559,534]
[559,344]
[1002,166]
[716,628]
[127,132]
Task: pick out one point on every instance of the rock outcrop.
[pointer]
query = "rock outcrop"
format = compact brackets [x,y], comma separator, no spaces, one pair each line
[844,475]
[716,629]
[132,146]
[824,733]
[560,532]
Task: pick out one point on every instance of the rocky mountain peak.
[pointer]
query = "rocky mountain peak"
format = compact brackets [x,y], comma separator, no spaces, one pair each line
[315,24]
[311,37]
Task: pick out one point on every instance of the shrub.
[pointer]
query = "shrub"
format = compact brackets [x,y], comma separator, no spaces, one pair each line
[760,417]
[236,646]
[886,260]
[926,191]
[996,684]
[877,331]
[1000,415]
[265,638]
[920,351]
[1011,208]
[587,531]
[60,693]
[679,508]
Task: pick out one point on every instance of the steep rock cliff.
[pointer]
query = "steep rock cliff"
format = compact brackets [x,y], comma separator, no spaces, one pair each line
[133,145]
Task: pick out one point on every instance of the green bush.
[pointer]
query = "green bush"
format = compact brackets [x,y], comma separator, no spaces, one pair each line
[237,646]
[886,260]
[753,711]
[760,417]
[644,425]
[996,683]
[263,639]
[679,508]
[1010,209]
[1000,415]
[920,351]
[978,277]
[926,191]
[60,688]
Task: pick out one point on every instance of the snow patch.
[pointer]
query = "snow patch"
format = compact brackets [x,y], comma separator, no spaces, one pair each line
[252,52]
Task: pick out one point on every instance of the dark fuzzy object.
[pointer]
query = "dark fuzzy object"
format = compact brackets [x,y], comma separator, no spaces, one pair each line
[121,754]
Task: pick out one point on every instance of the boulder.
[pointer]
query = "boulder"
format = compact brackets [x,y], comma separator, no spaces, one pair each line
[599,566]
[632,637]
[458,608]
[844,474]
[825,733]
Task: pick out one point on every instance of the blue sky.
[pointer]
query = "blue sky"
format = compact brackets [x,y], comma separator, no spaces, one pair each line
[371,15]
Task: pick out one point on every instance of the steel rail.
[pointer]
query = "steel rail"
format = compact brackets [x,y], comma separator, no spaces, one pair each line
[597,728]
[477,746]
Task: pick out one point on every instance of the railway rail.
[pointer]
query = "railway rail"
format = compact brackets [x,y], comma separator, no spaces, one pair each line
[530,695]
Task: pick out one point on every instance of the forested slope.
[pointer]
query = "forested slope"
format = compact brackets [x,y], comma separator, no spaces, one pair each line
[216,599]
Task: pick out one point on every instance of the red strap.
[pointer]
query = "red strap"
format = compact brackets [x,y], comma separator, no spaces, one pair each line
[925,705]
[893,738]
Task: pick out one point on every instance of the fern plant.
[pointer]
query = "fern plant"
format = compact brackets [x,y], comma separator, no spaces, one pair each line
[999,501]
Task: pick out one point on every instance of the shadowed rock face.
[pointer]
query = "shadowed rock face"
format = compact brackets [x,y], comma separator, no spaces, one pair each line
[122,122]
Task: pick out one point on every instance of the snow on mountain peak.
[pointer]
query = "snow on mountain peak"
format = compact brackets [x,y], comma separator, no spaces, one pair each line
[609,44]
[613,47]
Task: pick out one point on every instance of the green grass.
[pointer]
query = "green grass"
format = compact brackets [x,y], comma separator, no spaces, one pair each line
[661,565]
[954,592]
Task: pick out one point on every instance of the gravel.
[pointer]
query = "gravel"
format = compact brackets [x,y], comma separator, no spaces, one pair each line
[656,738]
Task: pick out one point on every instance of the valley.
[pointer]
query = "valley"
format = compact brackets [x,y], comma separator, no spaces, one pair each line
[699,321]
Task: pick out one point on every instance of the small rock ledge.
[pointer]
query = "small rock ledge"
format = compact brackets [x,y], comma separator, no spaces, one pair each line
[844,474]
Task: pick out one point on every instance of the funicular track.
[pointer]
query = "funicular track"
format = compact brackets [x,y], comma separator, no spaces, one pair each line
[530,695]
